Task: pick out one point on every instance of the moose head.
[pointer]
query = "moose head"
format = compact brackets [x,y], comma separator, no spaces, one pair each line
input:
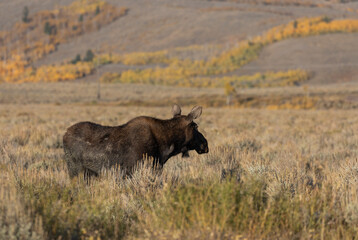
[194,139]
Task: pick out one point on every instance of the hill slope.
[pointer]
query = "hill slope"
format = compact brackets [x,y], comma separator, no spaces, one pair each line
[330,58]
[161,24]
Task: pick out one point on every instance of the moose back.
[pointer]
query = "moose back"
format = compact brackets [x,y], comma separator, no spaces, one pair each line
[89,147]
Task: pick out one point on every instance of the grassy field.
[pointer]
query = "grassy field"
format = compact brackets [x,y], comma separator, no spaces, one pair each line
[333,96]
[284,174]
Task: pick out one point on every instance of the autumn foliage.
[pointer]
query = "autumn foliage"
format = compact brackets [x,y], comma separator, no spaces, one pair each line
[258,80]
[192,73]
[169,69]
[44,31]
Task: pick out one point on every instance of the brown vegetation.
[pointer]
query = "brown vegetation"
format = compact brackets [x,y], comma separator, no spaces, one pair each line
[269,174]
[306,97]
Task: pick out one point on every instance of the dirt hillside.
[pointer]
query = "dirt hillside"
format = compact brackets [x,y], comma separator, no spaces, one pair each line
[163,24]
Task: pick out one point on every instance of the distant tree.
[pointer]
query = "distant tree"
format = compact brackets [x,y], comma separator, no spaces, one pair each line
[53,30]
[230,91]
[98,10]
[47,28]
[89,56]
[295,24]
[25,14]
[76,59]
[326,19]
[50,29]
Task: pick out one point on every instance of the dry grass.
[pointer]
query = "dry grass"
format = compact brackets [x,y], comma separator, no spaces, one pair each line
[83,92]
[335,96]
[269,174]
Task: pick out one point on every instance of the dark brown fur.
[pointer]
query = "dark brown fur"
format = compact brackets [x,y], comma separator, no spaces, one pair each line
[89,147]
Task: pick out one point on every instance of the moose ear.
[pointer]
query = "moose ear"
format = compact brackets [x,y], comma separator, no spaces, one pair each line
[195,113]
[176,110]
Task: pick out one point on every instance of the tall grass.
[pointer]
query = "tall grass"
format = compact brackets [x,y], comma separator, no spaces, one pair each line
[269,174]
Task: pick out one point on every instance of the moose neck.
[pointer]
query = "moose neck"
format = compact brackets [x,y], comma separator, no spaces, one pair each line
[170,138]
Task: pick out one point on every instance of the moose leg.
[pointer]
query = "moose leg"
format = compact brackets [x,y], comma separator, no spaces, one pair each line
[87,174]
[185,152]
[74,167]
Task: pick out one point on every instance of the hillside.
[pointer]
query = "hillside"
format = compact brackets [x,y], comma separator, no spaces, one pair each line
[158,25]
[330,58]
[11,11]
[205,29]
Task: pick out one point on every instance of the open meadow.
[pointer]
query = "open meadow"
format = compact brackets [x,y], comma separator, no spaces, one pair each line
[273,174]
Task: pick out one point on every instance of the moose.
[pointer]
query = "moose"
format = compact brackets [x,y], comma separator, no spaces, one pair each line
[89,147]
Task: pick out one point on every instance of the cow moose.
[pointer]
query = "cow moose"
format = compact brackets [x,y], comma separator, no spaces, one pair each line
[89,147]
